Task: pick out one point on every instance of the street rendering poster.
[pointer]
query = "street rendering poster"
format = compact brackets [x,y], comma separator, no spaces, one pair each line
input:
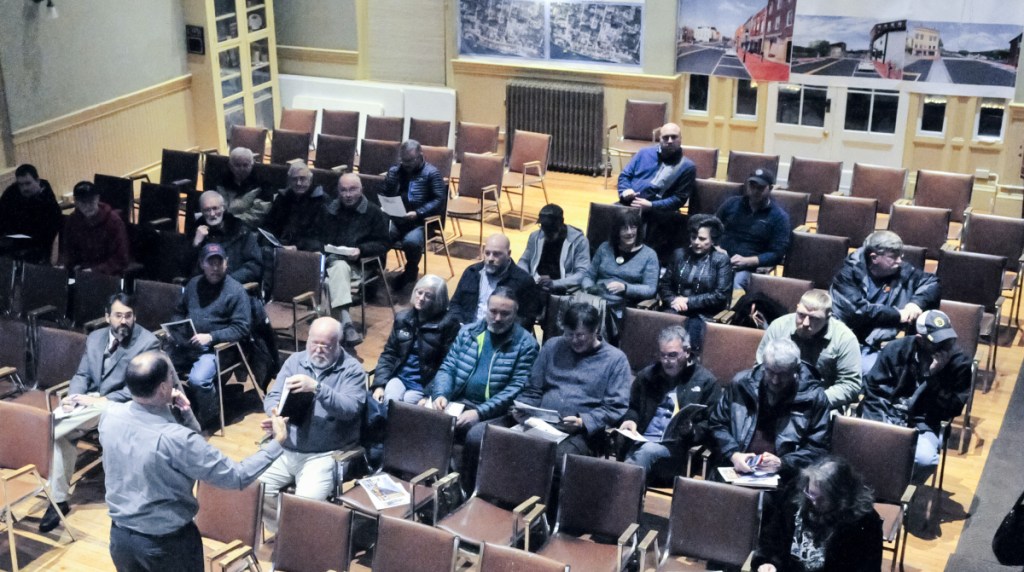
[553,31]
[954,47]
[746,39]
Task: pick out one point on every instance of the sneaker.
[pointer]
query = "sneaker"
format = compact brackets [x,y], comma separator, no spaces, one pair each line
[351,335]
[51,519]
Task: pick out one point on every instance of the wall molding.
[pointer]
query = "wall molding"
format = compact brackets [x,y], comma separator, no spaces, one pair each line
[100,110]
[318,55]
[665,83]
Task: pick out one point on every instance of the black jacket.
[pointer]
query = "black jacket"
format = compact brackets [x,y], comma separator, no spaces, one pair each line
[879,320]
[695,385]
[364,227]
[293,219]
[896,379]
[802,429]
[853,546]
[464,302]
[435,337]
[706,281]
[245,261]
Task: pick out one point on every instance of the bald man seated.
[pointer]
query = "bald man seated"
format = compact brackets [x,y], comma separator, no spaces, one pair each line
[659,180]
[469,303]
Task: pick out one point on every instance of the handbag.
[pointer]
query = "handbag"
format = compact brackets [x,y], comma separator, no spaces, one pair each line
[1008,542]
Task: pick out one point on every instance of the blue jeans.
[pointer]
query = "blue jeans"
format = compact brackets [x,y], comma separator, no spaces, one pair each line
[204,391]
[741,279]
[926,456]
[413,243]
[658,461]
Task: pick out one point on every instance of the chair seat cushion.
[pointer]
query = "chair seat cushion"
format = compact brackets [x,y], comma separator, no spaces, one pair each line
[358,500]
[515,180]
[892,519]
[679,564]
[581,554]
[629,146]
[280,314]
[479,521]
[461,206]
[36,398]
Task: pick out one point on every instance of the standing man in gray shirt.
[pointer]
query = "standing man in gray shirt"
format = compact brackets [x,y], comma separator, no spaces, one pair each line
[152,456]
[99,381]
[331,421]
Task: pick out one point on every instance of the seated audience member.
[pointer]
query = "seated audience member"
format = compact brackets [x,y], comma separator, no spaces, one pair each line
[352,222]
[878,295]
[756,229]
[669,405]
[469,304]
[295,213]
[219,308]
[623,271]
[698,280]
[28,209]
[775,413]
[337,383]
[583,378]
[659,180]
[95,238]
[99,380]
[243,195]
[827,521]
[824,342]
[419,340]
[557,255]
[485,369]
[424,193]
[245,261]
[919,381]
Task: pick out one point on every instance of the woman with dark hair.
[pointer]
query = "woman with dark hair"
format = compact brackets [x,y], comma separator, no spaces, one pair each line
[418,343]
[826,523]
[698,280]
[623,270]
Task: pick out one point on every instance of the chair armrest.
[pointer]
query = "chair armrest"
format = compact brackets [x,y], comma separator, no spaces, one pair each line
[251,287]
[492,189]
[60,390]
[903,202]
[304,297]
[243,552]
[908,494]
[339,168]
[612,127]
[948,247]
[219,553]
[8,371]
[439,487]
[93,325]
[412,490]
[517,514]
[645,546]
[41,311]
[803,228]
[423,476]
[629,535]
[531,516]
[140,177]
[648,304]
[221,346]
[531,165]
[160,222]
[15,473]
[723,317]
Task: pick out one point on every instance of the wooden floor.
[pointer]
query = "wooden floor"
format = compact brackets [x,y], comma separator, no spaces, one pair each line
[928,549]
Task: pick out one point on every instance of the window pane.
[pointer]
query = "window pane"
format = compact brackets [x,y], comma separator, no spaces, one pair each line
[698,99]
[746,98]
[858,109]
[789,104]
[814,107]
[933,114]
[883,115]
[990,119]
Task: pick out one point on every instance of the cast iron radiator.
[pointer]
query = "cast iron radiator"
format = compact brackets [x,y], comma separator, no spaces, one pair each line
[572,113]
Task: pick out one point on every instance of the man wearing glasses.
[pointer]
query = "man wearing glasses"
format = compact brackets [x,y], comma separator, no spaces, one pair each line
[668,408]
[245,262]
[295,216]
[878,295]
[824,342]
[659,180]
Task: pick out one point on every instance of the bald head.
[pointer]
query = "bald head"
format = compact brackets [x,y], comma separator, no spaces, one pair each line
[671,140]
[497,253]
[323,346]
[146,372]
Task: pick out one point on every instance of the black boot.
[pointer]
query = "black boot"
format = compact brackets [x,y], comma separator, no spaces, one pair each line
[51,519]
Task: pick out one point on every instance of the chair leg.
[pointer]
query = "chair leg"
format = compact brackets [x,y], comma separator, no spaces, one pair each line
[220,395]
[522,208]
[248,369]
[11,544]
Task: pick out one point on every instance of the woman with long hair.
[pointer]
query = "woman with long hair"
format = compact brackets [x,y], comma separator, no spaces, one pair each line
[827,522]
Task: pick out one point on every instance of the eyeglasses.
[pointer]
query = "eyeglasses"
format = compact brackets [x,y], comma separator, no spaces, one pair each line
[671,356]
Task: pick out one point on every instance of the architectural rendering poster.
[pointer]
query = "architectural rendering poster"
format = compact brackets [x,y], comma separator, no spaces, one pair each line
[963,47]
[747,39]
[553,31]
